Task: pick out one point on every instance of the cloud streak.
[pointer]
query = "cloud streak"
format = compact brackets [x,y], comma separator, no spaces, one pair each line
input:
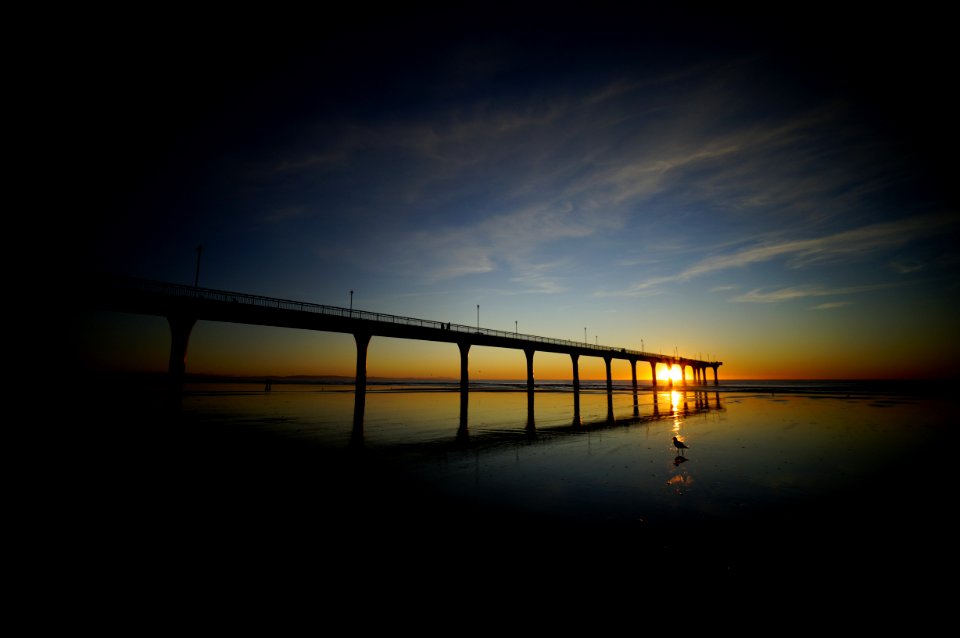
[801,253]
[803,292]
[485,187]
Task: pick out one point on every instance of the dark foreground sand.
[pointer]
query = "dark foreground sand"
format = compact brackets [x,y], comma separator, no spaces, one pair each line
[234,511]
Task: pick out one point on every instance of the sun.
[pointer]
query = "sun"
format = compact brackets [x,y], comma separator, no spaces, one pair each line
[676,374]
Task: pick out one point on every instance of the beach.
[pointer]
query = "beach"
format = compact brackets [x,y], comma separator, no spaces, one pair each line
[780,486]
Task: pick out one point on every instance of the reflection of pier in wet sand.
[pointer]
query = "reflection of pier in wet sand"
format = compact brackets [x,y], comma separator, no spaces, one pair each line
[688,403]
[183,306]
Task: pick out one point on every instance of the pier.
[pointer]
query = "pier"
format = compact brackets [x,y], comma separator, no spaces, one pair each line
[184,305]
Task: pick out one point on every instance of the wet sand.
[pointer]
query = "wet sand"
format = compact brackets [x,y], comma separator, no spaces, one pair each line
[240,506]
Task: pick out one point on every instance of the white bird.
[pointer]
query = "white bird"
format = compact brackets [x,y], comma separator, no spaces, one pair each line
[680,445]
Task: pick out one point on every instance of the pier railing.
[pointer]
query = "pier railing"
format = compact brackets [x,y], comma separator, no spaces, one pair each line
[208,294]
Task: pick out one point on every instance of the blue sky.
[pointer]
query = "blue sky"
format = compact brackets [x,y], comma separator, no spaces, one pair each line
[772,191]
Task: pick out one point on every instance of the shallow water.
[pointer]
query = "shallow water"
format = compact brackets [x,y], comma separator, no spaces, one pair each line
[773,485]
[746,451]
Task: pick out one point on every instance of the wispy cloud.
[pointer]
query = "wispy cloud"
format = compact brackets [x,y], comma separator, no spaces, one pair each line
[538,278]
[801,292]
[905,267]
[614,145]
[471,189]
[831,305]
[800,253]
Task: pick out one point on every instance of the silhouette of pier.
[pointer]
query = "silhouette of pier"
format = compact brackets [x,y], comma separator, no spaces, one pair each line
[184,305]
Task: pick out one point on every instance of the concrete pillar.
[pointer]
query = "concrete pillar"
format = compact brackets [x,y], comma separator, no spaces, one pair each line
[653,373]
[464,381]
[180,328]
[716,379]
[606,361]
[576,386]
[360,385]
[633,375]
[529,354]
[530,385]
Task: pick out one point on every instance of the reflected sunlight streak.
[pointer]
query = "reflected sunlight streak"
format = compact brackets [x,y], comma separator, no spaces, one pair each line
[674,401]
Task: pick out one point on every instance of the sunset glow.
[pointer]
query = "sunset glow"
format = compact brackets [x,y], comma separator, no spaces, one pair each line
[710,193]
[384,302]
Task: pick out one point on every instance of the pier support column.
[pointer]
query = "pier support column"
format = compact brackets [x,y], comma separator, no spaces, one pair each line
[576,387]
[606,361]
[360,385]
[633,375]
[653,373]
[464,381]
[716,379]
[683,373]
[530,386]
[180,327]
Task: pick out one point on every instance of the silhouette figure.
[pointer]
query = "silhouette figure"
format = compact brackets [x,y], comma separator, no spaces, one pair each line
[680,445]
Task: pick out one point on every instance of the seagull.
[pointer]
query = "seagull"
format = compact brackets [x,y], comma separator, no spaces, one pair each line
[680,445]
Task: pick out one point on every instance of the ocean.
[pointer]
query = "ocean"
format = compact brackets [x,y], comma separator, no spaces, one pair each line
[844,482]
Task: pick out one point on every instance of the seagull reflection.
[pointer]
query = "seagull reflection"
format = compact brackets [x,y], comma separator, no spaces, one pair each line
[679,459]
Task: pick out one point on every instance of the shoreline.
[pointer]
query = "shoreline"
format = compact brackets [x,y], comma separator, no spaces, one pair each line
[379,384]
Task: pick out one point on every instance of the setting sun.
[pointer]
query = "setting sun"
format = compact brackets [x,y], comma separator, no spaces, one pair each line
[676,373]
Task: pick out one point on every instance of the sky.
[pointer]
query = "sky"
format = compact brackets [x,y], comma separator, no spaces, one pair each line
[770,190]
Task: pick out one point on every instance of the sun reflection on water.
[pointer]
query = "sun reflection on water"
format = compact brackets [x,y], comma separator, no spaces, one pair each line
[674,400]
